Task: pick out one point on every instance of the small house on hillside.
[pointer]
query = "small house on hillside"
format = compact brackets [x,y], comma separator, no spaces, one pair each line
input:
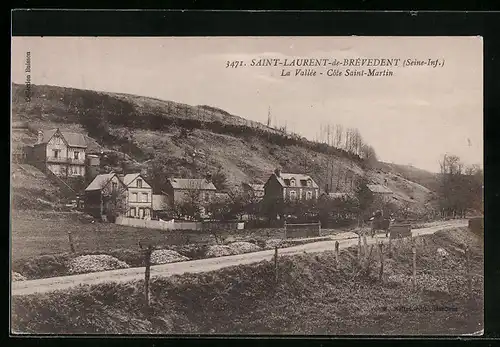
[139,197]
[106,196]
[254,190]
[380,192]
[291,186]
[61,152]
[199,190]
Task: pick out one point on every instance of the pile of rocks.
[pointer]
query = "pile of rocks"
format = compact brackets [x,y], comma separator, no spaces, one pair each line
[16,276]
[95,263]
[165,256]
[243,247]
[218,251]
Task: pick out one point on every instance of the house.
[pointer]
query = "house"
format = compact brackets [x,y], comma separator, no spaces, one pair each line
[290,186]
[61,152]
[378,189]
[199,190]
[139,196]
[254,190]
[106,196]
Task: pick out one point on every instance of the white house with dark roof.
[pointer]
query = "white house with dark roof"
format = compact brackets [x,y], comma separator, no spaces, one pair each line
[291,186]
[61,152]
[139,196]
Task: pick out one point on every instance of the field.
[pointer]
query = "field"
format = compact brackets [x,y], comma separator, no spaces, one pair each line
[312,296]
[41,248]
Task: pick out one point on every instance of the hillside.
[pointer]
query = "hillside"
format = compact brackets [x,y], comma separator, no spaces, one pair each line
[165,138]
[422,177]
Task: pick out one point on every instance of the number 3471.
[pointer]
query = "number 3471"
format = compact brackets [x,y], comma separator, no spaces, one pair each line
[234,64]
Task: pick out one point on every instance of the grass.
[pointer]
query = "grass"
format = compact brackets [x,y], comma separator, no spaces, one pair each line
[41,248]
[312,297]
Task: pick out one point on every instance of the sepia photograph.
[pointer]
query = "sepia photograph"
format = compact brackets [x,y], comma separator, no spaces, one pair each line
[278,185]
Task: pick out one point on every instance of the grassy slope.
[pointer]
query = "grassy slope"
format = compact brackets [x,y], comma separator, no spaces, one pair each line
[312,297]
[31,190]
[243,159]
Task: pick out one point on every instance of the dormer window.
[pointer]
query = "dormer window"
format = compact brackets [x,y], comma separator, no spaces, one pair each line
[309,183]
[287,182]
[139,183]
[292,182]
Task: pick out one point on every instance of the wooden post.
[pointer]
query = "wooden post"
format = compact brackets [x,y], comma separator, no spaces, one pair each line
[365,246]
[414,279]
[147,274]
[276,264]
[284,227]
[70,238]
[319,226]
[336,254]
[390,247]
[359,248]
[467,265]
[381,256]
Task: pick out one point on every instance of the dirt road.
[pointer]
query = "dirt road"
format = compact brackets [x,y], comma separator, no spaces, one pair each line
[203,265]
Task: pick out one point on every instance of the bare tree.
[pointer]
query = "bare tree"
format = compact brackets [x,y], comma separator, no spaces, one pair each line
[338,135]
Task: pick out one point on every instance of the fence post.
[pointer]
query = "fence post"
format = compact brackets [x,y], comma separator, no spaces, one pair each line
[147,275]
[284,227]
[414,279]
[70,238]
[467,265]
[276,264]
[336,254]
[381,255]
[319,226]
[359,248]
[365,246]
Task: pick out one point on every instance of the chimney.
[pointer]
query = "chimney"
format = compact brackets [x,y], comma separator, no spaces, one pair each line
[40,137]
[277,172]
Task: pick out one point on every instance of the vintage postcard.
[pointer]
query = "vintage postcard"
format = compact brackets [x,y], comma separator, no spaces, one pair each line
[247,185]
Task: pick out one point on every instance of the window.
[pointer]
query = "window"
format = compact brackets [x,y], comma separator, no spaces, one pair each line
[132,212]
[309,183]
[144,197]
[139,183]
[292,182]
[55,153]
[134,196]
[287,182]
[114,186]
[293,195]
[309,195]
[76,154]
[303,183]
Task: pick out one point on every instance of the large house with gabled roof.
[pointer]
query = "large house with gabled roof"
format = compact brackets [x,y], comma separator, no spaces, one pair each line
[139,196]
[290,186]
[61,152]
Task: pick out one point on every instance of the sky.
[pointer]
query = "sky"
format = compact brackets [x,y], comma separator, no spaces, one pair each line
[413,117]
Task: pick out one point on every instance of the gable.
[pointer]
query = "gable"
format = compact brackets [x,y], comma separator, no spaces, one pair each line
[131,181]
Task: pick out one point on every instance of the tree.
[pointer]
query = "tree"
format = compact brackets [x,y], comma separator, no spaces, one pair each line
[114,200]
[368,155]
[460,187]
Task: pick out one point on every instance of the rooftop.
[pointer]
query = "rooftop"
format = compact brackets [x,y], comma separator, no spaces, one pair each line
[378,188]
[192,183]
[300,180]
[73,139]
[99,181]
